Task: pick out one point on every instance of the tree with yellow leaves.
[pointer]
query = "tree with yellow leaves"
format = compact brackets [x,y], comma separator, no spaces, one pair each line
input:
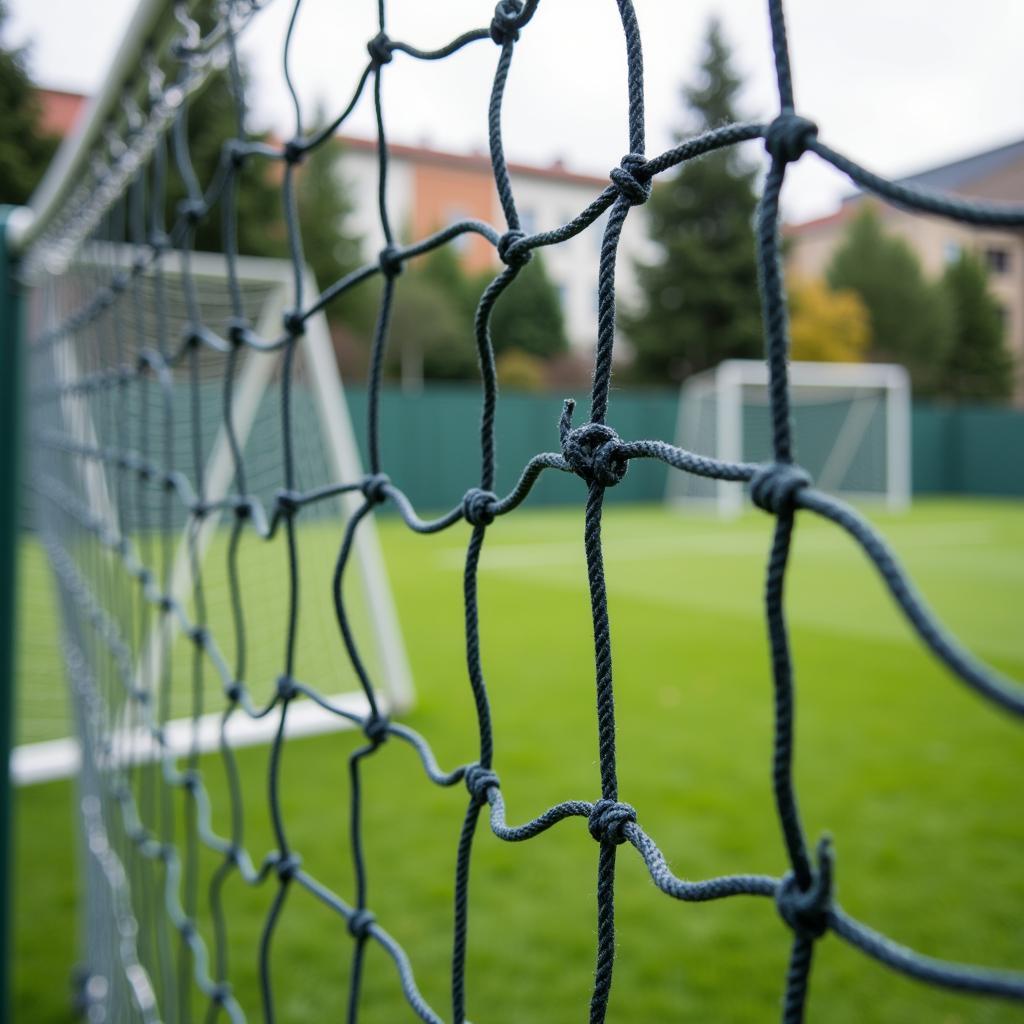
[827,326]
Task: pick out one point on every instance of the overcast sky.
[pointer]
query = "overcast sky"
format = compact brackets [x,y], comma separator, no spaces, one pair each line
[898,85]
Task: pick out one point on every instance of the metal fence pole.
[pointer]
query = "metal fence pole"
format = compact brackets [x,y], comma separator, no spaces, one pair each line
[10,459]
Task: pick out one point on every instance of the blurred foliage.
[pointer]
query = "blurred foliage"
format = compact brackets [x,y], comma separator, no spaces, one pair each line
[25,151]
[825,325]
[432,325]
[910,315]
[520,371]
[429,338]
[528,316]
[979,365]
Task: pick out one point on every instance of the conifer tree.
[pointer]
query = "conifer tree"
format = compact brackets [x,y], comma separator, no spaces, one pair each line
[529,318]
[910,318]
[24,150]
[700,299]
[978,365]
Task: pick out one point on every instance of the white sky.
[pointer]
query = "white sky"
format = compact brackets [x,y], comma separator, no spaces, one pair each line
[897,85]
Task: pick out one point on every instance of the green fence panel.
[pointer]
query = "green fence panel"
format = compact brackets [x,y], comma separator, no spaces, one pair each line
[968,450]
[430,441]
[933,454]
[991,449]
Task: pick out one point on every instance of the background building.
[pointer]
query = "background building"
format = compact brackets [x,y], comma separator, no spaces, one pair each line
[429,189]
[996,174]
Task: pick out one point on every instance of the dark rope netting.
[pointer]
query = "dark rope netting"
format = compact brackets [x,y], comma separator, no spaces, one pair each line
[97,559]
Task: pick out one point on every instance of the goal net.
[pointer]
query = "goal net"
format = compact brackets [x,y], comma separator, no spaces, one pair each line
[851,425]
[170,439]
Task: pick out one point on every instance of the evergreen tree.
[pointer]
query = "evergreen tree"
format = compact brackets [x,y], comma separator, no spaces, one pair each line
[430,336]
[528,316]
[441,267]
[978,365]
[212,120]
[432,328]
[910,321]
[700,300]
[24,150]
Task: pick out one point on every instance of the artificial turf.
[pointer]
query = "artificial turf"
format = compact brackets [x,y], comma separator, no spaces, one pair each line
[917,779]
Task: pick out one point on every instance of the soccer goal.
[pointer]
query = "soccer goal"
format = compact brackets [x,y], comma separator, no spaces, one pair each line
[165,442]
[851,425]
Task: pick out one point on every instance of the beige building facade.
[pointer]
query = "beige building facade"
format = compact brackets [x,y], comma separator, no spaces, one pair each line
[996,174]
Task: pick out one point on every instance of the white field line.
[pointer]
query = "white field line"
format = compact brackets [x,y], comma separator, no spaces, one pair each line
[58,759]
[546,553]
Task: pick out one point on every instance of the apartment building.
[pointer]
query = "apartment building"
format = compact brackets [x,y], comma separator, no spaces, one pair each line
[429,189]
[996,174]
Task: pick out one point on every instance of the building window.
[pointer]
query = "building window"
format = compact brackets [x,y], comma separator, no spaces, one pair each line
[951,252]
[528,221]
[997,260]
[563,297]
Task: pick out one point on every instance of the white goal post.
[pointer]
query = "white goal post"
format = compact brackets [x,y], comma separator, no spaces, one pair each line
[851,427]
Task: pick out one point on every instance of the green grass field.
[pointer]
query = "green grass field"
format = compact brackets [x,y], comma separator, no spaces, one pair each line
[918,780]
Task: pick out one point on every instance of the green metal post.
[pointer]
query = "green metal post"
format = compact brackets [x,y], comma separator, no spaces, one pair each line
[10,458]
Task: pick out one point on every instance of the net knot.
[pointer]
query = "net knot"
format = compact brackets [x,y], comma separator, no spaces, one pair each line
[192,210]
[479,781]
[286,688]
[775,485]
[375,728]
[238,330]
[286,866]
[220,993]
[287,502]
[633,185]
[236,152]
[374,488]
[505,23]
[294,323]
[511,251]
[390,260]
[788,137]
[608,821]
[294,151]
[806,911]
[360,923]
[380,49]
[478,507]
[592,451]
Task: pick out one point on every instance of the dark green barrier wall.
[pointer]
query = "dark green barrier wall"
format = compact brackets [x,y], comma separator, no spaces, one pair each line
[968,450]
[430,444]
